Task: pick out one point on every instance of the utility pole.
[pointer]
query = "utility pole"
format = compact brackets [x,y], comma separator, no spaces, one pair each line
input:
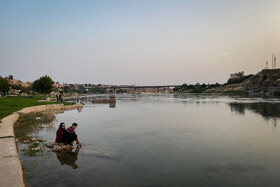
[273,60]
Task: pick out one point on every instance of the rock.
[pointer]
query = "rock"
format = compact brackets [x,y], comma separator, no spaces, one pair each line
[35,149]
[33,139]
[265,82]
[26,141]
[56,148]
[50,145]
[62,148]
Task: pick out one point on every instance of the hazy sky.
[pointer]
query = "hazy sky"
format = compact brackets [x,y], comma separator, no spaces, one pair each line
[142,42]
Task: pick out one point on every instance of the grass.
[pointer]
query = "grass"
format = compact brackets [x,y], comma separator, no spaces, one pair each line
[13,104]
[33,145]
[29,152]
[26,137]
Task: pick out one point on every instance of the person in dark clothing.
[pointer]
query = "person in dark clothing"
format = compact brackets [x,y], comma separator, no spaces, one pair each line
[60,99]
[60,132]
[69,135]
[57,98]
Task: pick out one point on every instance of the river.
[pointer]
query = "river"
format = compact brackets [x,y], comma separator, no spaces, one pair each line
[164,140]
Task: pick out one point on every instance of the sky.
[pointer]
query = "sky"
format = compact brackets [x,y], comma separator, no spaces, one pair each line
[142,42]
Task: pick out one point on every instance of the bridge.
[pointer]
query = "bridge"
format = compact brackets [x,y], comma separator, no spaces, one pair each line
[114,88]
[165,86]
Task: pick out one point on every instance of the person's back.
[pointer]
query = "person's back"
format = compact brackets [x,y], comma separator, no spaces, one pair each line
[70,135]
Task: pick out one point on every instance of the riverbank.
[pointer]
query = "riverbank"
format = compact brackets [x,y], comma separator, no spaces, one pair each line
[8,105]
[266,82]
[10,166]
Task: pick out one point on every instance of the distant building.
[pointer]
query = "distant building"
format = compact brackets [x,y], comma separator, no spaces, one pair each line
[11,77]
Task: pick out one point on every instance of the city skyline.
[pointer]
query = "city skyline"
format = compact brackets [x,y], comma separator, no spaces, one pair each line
[137,42]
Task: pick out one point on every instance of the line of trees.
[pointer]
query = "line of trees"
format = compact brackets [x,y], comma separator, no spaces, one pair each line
[43,85]
[199,88]
[239,79]
[195,88]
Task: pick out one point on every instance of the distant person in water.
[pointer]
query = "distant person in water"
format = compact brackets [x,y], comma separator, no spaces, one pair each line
[60,132]
[69,135]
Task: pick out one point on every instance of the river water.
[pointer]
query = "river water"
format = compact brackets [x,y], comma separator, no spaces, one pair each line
[165,140]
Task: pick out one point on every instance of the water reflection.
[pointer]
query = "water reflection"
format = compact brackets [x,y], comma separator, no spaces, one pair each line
[112,104]
[68,157]
[79,110]
[266,110]
[269,111]
[33,123]
[162,140]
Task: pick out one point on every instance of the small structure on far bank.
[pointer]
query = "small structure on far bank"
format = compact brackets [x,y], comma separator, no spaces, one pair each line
[112,99]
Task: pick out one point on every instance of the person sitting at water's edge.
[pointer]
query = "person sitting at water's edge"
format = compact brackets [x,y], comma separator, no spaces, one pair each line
[70,135]
[60,132]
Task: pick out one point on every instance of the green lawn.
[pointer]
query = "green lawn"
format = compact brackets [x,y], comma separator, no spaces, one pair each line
[13,104]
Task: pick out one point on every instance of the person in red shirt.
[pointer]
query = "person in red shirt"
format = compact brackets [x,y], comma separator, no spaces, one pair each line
[70,135]
[59,132]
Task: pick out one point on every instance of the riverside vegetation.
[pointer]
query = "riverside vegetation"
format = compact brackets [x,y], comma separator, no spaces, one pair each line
[8,105]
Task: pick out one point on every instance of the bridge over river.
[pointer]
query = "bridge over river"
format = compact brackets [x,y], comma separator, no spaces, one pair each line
[130,88]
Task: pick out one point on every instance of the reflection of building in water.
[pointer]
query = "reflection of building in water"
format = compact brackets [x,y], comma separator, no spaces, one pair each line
[112,105]
[269,111]
[111,101]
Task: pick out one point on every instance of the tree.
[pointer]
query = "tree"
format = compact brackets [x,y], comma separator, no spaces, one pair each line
[66,89]
[81,87]
[72,86]
[43,85]
[4,85]
[16,87]
[25,90]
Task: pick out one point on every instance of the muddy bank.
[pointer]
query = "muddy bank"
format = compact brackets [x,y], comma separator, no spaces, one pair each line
[10,166]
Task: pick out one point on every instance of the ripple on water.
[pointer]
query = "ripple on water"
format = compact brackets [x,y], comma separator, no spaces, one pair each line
[100,151]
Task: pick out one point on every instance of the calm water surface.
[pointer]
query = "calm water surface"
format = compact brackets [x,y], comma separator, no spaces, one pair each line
[165,140]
